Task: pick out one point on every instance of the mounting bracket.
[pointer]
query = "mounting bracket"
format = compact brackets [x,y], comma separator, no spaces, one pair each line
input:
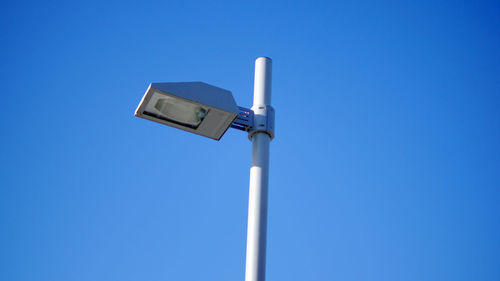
[259,119]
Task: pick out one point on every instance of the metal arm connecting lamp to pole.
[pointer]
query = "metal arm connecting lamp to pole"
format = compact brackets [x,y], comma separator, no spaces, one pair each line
[249,122]
[209,111]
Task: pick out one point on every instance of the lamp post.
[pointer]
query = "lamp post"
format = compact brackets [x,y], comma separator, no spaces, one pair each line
[209,111]
[259,172]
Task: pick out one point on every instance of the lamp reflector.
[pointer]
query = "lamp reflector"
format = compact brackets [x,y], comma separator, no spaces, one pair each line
[180,111]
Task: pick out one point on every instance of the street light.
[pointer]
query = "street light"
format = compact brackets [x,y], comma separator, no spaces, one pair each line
[209,111]
[195,107]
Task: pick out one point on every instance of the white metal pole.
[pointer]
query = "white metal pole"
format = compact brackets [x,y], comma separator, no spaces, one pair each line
[259,173]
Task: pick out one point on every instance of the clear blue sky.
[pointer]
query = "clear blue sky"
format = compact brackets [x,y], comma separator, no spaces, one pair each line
[385,165]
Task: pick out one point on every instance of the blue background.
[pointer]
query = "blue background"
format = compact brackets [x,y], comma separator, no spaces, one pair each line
[385,165]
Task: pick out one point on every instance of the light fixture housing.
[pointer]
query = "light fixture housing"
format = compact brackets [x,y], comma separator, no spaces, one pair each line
[195,107]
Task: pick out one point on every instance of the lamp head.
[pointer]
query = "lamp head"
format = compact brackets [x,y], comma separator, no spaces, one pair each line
[195,107]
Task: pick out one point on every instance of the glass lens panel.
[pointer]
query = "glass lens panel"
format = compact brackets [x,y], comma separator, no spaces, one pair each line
[177,111]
